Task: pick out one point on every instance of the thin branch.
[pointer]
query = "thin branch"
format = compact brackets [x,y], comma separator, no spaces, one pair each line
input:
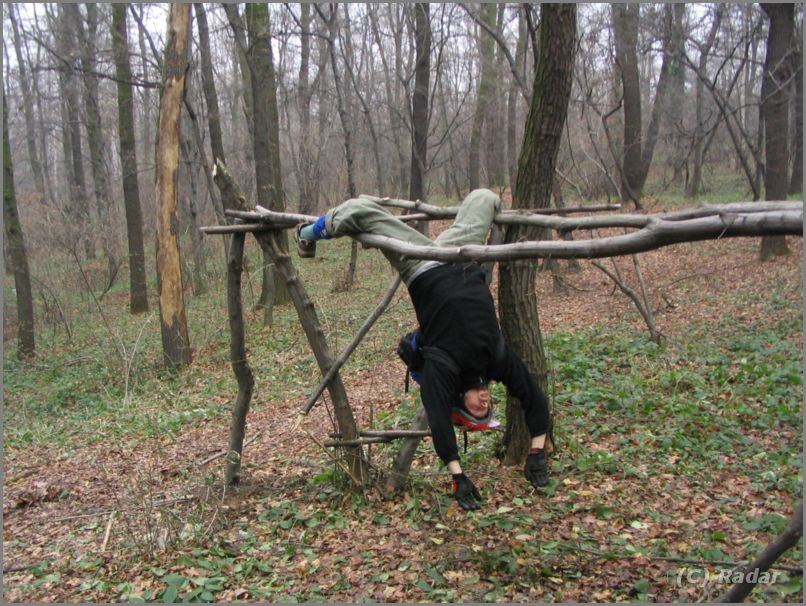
[359,336]
[513,66]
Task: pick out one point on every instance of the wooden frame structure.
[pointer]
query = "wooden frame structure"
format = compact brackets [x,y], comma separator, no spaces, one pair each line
[649,232]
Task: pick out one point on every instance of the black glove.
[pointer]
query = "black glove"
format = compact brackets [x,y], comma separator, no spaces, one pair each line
[536,470]
[465,493]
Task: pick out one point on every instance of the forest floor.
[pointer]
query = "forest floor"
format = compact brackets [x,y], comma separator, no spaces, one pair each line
[673,462]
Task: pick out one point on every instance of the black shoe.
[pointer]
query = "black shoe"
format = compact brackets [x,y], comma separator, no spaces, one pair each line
[305,248]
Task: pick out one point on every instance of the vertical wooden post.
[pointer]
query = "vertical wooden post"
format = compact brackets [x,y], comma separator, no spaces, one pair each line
[240,365]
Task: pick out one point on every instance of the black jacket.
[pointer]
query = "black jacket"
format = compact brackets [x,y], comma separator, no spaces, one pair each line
[456,314]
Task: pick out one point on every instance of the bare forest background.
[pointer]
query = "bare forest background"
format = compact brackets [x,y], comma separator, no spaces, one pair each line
[137,141]
[689,108]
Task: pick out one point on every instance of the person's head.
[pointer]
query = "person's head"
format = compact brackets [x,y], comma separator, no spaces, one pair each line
[477,401]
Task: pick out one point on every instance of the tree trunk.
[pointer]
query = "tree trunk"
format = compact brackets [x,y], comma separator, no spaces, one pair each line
[27,106]
[208,85]
[347,426]
[698,155]
[660,106]
[796,182]
[349,277]
[625,33]
[419,105]
[173,322]
[541,142]
[138,301]
[147,141]
[265,131]
[308,161]
[512,104]
[191,162]
[775,105]
[786,540]
[15,243]
[78,189]
[675,94]
[495,125]
[43,142]
[94,128]
[486,46]
[392,101]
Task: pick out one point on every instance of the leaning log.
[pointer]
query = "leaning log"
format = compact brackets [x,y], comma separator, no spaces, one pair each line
[306,311]
[362,332]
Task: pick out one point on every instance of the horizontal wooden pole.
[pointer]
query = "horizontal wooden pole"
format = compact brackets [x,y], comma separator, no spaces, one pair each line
[656,234]
[448,212]
[390,433]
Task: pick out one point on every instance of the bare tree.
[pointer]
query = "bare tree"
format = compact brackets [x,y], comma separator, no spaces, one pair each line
[698,153]
[79,208]
[775,104]
[796,182]
[26,343]
[208,85]
[94,127]
[138,299]
[27,104]
[639,148]
[486,49]
[173,321]
[419,105]
[512,101]
[541,143]
[331,19]
[308,165]
[257,54]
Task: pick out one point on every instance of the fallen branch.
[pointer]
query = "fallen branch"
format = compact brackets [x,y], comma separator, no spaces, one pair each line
[356,442]
[632,556]
[21,567]
[389,433]
[786,540]
[283,220]
[656,234]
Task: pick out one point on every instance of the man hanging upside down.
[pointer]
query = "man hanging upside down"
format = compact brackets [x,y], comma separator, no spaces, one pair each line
[463,346]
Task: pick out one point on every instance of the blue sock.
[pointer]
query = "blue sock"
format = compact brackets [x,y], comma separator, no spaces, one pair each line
[308,233]
[315,231]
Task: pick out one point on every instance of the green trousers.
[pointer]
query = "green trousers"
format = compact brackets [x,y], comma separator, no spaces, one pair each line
[471,226]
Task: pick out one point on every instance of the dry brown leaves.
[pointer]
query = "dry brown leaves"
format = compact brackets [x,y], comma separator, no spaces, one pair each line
[47,490]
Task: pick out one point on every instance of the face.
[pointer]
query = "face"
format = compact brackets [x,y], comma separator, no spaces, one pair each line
[477,401]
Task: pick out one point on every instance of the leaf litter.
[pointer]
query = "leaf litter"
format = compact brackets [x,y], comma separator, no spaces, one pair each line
[624,492]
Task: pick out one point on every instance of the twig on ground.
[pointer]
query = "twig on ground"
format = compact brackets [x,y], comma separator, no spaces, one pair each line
[632,556]
[222,453]
[20,567]
[108,531]
[103,512]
